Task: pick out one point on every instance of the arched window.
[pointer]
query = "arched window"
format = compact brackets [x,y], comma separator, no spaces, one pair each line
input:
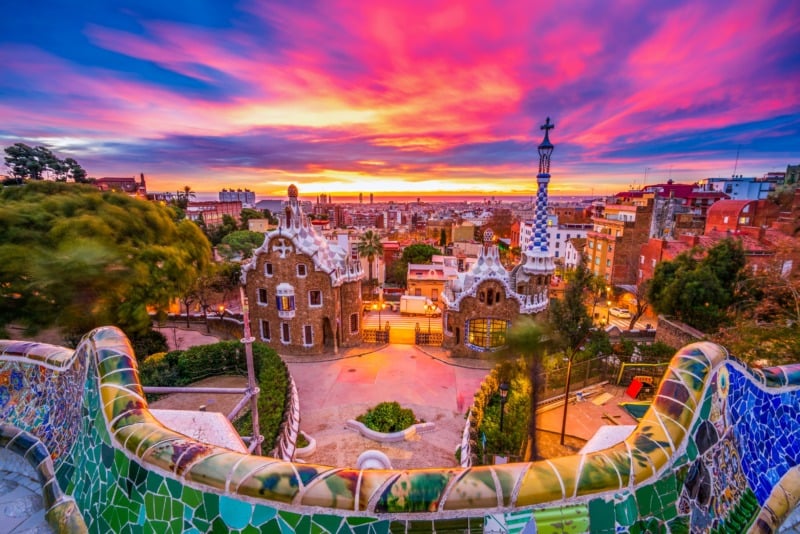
[486,334]
[489,297]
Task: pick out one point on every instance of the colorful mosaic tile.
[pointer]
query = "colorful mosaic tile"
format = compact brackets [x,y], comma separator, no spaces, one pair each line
[697,461]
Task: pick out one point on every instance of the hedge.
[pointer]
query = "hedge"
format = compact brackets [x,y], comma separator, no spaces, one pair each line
[179,368]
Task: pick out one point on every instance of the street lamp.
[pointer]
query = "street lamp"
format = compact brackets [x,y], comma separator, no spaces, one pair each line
[379,307]
[428,311]
[566,398]
[503,398]
[608,312]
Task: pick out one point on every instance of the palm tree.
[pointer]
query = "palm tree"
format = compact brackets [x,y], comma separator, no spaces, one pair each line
[527,339]
[369,247]
[183,196]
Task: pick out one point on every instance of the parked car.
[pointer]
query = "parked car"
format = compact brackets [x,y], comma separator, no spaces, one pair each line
[620,312]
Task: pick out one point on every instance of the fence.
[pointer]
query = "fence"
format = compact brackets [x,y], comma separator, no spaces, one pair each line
[373,335]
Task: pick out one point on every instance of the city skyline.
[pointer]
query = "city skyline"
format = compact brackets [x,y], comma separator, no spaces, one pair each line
[440,99]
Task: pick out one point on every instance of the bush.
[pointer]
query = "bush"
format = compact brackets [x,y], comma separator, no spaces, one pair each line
[180,368]
[147,343]
[387,417]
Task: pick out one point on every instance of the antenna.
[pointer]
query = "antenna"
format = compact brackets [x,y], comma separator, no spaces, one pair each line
[736,165]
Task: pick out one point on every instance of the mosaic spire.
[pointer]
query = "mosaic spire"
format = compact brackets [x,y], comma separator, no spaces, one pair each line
[539,241]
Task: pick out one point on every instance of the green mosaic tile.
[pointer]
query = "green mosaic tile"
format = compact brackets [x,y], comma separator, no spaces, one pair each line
[262,514]
[250,529]
[601,516]
[380,527]
[191,497]
[679,525]
[304,525]
[211,504]
[452,525]
[395,527]
[355,520]
[691,449]
[285,528]
[344,529]
[625,511]
[174,488]
[331,523]
[218,526]
[419,527]
[290,518]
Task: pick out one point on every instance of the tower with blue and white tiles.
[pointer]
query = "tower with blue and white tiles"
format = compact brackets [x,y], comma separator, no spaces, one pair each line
[538,267]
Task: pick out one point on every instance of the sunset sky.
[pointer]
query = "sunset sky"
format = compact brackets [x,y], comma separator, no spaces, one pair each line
[410,97]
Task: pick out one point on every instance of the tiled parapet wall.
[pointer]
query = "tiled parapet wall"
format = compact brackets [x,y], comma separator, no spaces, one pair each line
[700,460]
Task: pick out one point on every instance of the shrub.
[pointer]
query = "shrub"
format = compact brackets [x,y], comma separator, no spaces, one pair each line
[180,368]
[387,417]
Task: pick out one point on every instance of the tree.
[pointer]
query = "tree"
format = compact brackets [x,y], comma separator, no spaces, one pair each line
[369,247]
[571,323]
[442,238]
[183,196]
[36,163]
[418,253]
[640,302]
[246,215]
[240,244]
[528,339]
[696,291]
[77,258]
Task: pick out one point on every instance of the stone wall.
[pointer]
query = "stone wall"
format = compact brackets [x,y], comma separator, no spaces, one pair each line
[675,333]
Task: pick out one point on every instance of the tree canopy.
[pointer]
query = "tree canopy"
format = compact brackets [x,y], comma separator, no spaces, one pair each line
[698,288]
[416,253]
[37,163]
[77,258]
[240,244]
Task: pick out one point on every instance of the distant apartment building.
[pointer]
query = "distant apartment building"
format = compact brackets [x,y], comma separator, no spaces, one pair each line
[677,208]
[212,212]
[743,188]
[246,197]
[464,231]
[614,243]
[128,185]
[735,215]
[558,235]
[573,253]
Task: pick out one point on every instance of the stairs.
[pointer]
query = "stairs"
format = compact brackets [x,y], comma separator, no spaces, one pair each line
[402,327]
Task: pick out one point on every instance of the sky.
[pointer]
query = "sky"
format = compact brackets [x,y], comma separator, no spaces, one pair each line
[411,97]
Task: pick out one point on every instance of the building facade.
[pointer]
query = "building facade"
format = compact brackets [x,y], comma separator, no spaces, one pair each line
[304,292]
[481,304]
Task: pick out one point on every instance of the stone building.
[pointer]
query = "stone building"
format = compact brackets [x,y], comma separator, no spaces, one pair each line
[304,292]
[481,304]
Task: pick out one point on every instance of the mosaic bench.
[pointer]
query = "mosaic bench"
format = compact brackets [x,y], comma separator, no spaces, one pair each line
[717,452]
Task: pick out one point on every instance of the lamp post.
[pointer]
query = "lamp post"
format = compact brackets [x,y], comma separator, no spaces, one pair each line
[566,399]
[608,312]
[379,307]
[428,311]
[503,398]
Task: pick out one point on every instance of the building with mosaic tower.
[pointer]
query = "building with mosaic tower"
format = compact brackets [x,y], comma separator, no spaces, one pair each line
[304,292]
[481,304]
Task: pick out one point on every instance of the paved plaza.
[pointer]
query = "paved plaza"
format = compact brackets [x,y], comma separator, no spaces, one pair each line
[336,387]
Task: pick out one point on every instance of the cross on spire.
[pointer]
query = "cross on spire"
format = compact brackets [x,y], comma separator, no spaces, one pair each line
[547,126]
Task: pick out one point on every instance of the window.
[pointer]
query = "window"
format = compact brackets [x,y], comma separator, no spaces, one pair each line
[434,294]
[556,251]
[302,270]
[285,334]
[599,246]
[557,244]
[610,248]
[597,260]
[267,269]
[418,292]
[265,333]
[486,334]
[489,297]
[308,338]
[315,298]
[353,323]
[641,259]
[591,244]
[558,236]
[497,297]
[725,220]
[262,297]
[653,262]
[608,263]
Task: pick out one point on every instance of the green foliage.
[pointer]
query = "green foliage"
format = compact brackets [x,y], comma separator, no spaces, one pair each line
[181,368]
[387,417]
[370,247]
[698,291]
[417,253]
[78,258]
[569,317]
[37,163]
[656,352]
[147,343]
[240,244]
